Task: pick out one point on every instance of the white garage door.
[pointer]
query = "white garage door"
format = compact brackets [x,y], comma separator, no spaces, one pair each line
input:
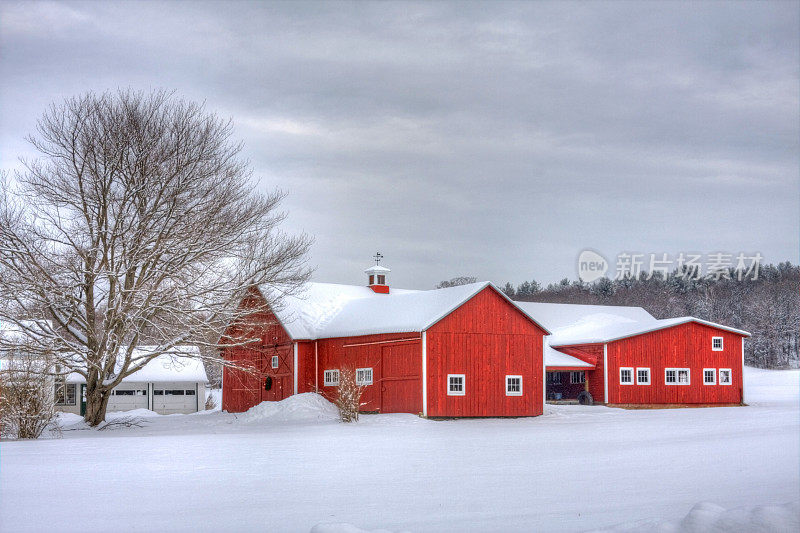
[127,396]
[171,398]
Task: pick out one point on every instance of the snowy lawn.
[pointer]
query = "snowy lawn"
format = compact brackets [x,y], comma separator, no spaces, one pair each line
[291,467]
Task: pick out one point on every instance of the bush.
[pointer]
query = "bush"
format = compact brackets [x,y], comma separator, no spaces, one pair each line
[211,403]
[349,399]
[26,399]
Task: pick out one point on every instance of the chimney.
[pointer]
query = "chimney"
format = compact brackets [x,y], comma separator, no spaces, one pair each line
[376,276]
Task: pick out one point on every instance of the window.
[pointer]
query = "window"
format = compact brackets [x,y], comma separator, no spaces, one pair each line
[372,279]
[65,393]
[363,376]
[725,376]
[455,384]
[513,385]
[124,392]
[158,392]
[381,279]
[709,376]
[716,344]
[274,361]
[189,392]
[331,378]
[577,377]
[643,376]
[626,376]
[554,378]
[174,392]
[676,376]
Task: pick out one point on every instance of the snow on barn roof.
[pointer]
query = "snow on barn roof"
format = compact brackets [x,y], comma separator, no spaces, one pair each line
[325,310]
[590,331]
[554,358]
[181,364]
[557,316]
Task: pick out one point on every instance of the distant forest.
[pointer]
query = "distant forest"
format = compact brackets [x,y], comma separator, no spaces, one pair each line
[768,307]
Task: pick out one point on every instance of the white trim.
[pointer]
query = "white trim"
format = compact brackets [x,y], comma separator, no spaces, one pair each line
[316,366]
[295,367]
[630,370]
[364,381]
[742,367]
[544,372]
[688,376]
[516,393]
[331,382]
[649,379]
[721,344]
[730,376]
[424,373]
[580,374]
[394,341]
[605,373]
[713,376]
[463,390]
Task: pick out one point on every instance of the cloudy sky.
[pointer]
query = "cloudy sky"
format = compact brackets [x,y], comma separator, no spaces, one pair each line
[485,139]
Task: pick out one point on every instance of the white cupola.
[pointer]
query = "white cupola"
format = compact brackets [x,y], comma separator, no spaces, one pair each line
[376,276]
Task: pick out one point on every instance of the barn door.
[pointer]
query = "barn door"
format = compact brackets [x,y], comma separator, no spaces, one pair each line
[276,383]
[401,387]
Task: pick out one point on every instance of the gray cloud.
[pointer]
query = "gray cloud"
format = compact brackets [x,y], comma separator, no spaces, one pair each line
[487,139]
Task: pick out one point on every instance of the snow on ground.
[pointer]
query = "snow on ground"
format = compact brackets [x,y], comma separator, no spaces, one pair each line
[293,468]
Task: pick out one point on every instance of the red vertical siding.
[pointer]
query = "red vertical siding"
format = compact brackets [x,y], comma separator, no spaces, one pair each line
[395,359]
[485,339]
[683,346]
[242,390]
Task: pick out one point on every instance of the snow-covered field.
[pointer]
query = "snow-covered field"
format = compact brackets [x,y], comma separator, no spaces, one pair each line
[293,467]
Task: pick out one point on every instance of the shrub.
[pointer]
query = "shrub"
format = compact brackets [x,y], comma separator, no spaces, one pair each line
[349,399]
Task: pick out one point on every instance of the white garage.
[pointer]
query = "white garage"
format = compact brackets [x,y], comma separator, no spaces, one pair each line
[169,384]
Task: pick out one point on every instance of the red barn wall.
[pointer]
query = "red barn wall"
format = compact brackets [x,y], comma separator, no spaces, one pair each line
[242,390]
[683,346]
[590,353]
[396,362]
[485,339]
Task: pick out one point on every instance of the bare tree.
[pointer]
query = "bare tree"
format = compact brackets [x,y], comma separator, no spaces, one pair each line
[138,224]
[455,282]
[26,396]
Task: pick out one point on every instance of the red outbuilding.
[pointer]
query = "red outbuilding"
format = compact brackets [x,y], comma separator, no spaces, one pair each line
[463,351]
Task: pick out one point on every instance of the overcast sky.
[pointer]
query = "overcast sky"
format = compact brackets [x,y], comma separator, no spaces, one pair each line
[485,139]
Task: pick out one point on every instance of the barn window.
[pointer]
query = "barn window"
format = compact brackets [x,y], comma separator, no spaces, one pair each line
[513,385]
[455,384]
[676,376]
[577,377]
[65,393]
[363,376]
[381,279]
[274,361]
[709,376]
[725,376]
[643,376]
[626,376]
[331,378]
[554,378]
[372,279]
[716,344]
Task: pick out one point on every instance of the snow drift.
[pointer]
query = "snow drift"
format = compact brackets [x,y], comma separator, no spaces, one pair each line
[308,406]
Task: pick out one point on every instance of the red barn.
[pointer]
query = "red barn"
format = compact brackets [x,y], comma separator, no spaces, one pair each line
[461,351]
[627,357]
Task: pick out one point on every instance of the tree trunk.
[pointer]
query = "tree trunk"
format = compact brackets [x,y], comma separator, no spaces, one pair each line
[96,405]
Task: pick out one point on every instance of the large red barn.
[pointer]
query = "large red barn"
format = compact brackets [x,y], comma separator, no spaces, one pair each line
[463,351]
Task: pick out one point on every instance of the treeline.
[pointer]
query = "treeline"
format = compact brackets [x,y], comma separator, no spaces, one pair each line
[768,307]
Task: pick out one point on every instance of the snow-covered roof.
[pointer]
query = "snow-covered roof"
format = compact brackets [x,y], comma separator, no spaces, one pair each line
[180,364]
[556,316]
[377,269]
[554,358]
[592,331]
[325,310]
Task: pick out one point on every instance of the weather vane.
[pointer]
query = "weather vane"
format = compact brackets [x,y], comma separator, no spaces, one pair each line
[377,257]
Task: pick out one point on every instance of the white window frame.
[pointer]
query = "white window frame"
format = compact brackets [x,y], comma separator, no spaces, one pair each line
[623,369]
[275,361]
[721,344]
[331,378]
[463,390]
[713,376]
[510,392]
[730,376]
[579,374]
[367,379]
[551,375]
[645,369]
[677,382]
[66,387]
